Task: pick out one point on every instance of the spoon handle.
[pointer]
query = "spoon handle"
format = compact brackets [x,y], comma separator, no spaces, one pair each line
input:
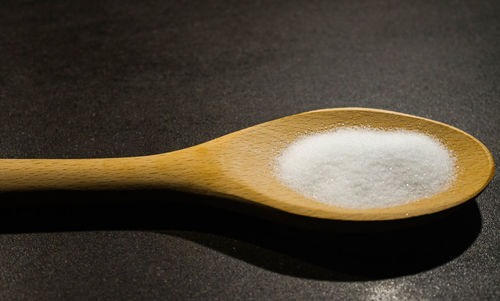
[170,170]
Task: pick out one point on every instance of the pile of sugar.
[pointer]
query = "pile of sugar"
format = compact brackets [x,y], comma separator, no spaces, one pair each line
[366,168]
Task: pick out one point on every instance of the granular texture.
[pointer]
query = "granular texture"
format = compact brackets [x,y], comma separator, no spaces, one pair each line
[366,168]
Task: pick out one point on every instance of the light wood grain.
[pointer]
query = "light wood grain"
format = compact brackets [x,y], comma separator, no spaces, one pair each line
[240,166]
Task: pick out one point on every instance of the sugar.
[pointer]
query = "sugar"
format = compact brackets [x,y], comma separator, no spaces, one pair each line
[366,168]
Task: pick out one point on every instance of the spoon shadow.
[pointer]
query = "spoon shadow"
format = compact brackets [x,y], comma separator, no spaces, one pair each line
[277,241]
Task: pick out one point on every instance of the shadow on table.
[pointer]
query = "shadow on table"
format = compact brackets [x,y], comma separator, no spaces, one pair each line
[276,241]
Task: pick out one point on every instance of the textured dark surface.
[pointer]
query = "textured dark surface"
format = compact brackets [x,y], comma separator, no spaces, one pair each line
[121,78]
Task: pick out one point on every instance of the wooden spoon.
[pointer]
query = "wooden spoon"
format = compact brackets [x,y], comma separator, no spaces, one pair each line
[240,166]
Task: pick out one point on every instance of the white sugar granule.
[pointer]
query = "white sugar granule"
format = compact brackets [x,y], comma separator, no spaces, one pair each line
[366,168]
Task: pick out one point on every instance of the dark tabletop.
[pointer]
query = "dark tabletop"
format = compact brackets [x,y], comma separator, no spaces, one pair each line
[87,79]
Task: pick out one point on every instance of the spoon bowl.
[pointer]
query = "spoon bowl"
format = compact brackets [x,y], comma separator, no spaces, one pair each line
[240,166]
